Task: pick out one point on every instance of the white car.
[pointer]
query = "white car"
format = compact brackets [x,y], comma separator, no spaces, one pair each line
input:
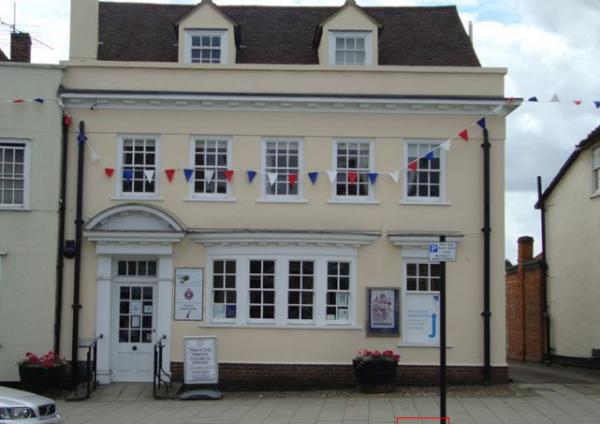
[17,406]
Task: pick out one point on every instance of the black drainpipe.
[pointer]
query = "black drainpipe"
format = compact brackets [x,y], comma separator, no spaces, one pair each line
[545,314]
[78,236]
[61,233]
[487,374]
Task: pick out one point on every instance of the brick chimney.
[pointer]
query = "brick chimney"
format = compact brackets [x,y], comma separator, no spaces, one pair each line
[20,47]
[525,249]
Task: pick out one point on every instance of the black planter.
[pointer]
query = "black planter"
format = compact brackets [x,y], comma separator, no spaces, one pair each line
[38,379]
[375,376]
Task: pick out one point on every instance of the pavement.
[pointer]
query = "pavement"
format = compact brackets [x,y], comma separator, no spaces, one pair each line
[540,394]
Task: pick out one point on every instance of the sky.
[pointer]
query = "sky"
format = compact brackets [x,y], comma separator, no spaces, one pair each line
[549,47]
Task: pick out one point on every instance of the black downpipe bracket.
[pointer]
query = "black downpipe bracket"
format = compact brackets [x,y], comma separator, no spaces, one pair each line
[545,313]
[61,234]
[487,369]
[78,236]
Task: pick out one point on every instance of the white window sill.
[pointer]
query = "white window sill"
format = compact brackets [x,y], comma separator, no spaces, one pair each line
[281,200]
[422,345]
[353,202]
[595,194]
[423,203]
[283,327]
[211,199]
[138,198]
[15,209]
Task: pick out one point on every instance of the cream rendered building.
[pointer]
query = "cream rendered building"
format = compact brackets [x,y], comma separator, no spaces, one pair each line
[30,155]
[572,230]
[328,106]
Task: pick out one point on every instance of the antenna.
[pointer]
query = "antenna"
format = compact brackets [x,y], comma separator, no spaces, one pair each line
[13,27]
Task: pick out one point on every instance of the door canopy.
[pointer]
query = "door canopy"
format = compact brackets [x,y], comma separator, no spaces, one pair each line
[134,223]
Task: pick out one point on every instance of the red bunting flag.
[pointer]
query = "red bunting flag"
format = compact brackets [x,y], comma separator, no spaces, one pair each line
[170,173]
[18,101]
[577,102]
[109,172]
[352,176]
[228,175]
[67,120]
[292,178]
[464,134]
[412,166]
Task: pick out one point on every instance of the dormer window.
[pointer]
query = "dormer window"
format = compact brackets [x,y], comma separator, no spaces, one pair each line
[206,46]
[350,48]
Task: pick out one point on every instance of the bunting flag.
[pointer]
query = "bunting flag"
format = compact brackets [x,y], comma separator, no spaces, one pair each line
[251,175]
[395,176]
[464,134]
[67,120]
[373,177]
[555,99]
[81,138]
[93,155]
[597,104]
[149,174]
[208,175]
[272,177]
[292,178]
[332,176]
[482,123]
[430,155]
[109,172]
[533,99]
[577,102]
[352,177]
[127,174]
[445,145]
[170,173]
[229,175]
[313,177]
[188,174]
[39,100]
[412,166]
[19,101]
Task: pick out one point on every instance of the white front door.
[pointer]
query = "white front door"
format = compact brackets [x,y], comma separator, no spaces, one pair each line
[134,315]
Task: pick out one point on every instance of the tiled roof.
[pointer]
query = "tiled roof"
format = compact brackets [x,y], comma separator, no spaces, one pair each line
[428,36]
[591,139]
[3,57]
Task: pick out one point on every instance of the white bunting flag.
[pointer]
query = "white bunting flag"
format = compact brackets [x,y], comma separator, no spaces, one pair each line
[208,175]
[149,175]
[395,176]
[93,155]
[332,176]
[272,177]
[446,145]
[555,99]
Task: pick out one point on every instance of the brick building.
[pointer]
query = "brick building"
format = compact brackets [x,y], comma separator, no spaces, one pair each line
[524,306]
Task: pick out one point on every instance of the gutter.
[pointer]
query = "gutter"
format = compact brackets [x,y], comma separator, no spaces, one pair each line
[486,314]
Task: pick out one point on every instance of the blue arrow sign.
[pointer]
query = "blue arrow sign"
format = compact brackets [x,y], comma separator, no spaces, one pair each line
[433,318]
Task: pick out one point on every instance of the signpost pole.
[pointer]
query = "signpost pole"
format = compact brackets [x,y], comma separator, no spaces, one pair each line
[442,338]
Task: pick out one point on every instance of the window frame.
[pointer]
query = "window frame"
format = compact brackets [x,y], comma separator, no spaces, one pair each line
[442,198]
[596,170]
[299,197]
[282,257]
[222,33]
[27,146]
[211,265]
[370,198]
[119,168]
[192,194]
[422,258]
[365,34]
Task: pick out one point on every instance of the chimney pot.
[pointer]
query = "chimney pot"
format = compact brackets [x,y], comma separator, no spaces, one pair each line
[20,47]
